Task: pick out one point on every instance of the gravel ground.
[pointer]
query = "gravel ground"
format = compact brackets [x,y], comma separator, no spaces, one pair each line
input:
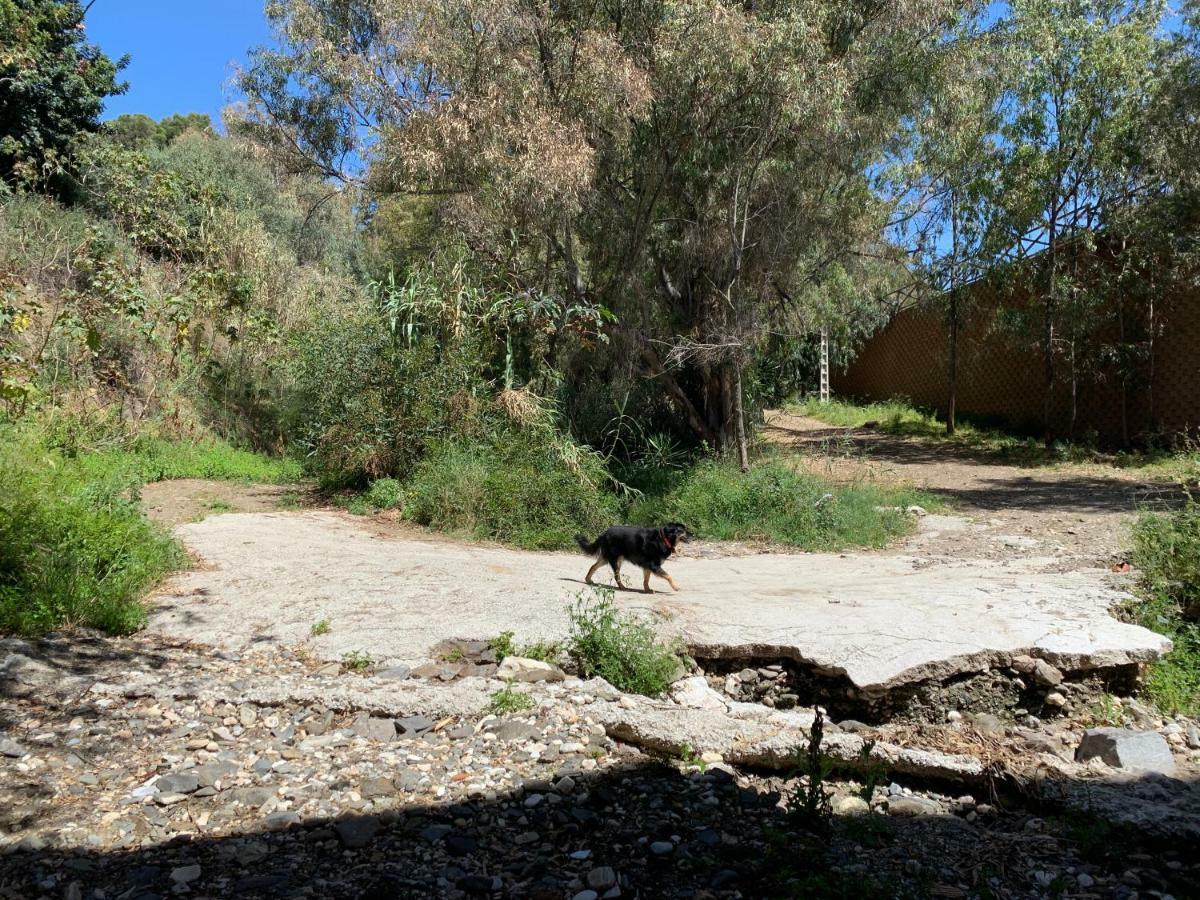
[105,797]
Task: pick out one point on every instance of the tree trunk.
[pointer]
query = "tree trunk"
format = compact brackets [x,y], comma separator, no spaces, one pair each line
[1048,311]
[740,419]
[952,374]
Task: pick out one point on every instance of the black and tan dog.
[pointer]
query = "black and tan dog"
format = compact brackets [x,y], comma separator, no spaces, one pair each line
[647,548]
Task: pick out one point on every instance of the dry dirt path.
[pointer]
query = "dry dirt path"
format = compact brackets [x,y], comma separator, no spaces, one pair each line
[1078,514]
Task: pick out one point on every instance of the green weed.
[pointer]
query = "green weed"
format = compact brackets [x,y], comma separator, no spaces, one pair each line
[1166,550]
[508,700]
[319,628]
[357,661]
[385,493]
[619,647]
[503,645]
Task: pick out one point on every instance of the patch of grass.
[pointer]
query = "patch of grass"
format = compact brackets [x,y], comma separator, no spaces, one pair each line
[619,647]
[981,436]
[288,500]
[75,548]
[1107,711]
[218,505]
[453,655]
[515,491]
[357,661]
[1166,550]
[319,628]
[689,757]
[546,651]
[508,700]
[774,502]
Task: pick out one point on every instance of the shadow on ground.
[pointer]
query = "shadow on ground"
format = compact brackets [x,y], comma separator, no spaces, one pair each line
[645,828]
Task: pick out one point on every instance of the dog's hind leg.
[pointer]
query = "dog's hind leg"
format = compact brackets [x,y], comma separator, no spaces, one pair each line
[646,582]
[616,567]
[592,571]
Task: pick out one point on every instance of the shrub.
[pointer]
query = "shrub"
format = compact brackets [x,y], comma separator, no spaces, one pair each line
[515,488]
[1166,550]
[774,502]
[619,647]
[503,645]
[385,493]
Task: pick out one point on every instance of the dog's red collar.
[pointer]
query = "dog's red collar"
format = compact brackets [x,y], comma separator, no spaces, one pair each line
[666,543]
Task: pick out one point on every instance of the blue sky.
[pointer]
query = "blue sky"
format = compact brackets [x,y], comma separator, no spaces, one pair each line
[183,52]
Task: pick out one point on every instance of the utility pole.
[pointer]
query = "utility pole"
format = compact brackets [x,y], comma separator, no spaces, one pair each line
[824,395]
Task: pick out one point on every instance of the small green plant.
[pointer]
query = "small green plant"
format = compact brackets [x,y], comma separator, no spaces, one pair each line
[619,647]
[319,628]
[503,645]
[508,700]
[689,757]
[288,500]
[357,661]
[874,772]
[453,655]
[218,505]
[1107,711]
[809,807]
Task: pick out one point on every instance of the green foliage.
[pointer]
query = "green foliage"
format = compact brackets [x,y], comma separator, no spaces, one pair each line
[74,547]
[503,645]
[1167,552]
[774,502]
[136,131]
[509,700]
[385,493]
[53,86]
[516,488]
[319,628]
[620,647]
[809,806]
[357,661]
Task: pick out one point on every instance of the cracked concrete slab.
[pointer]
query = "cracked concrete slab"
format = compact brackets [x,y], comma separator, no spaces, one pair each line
[882,621]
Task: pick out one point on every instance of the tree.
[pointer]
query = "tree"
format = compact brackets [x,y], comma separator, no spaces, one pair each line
[52,86]
[695,167]
[1068,160]
[136,131]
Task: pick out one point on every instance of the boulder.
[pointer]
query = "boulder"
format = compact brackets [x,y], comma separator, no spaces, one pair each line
[518,668]
[1126,748]
[695,693]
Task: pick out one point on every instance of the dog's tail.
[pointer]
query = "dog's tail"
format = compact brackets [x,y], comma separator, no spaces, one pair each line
[588,547]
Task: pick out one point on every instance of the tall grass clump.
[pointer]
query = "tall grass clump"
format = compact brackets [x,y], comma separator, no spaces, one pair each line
[776,503]
[619,647]
[1166,550]
[74,549]
[513,488]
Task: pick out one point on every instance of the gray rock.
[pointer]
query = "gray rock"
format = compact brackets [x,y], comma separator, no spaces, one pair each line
[662,848]
[602,878]
[281,821]
[695,693]
[850,806]
[357,832]
[1193,738]
[185,874]
[1125,748]
[986,723]
[1045,674]
[374,728]
[588,894]
[394,673]
[11,749]
[914,806]
[178,783]
[517,731]
[210,773]
[413,726]
[377,787]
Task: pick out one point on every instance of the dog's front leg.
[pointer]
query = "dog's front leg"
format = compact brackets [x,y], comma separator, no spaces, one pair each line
[671,581]
[646,582]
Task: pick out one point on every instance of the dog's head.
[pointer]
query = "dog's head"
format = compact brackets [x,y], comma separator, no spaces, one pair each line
[676,533]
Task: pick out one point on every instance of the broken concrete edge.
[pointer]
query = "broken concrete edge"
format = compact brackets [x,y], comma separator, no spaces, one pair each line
[941,670]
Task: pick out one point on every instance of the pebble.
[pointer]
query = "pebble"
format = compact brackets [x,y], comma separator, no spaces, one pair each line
[185,874]
[662,848]
[602,878]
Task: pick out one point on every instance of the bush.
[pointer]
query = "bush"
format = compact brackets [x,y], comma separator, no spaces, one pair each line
[774,502]
[74,549]
[620,647]
[1166,550]
[385,494]
[517,489]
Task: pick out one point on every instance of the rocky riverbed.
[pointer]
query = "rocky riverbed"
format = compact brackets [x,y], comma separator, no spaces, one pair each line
[145,767]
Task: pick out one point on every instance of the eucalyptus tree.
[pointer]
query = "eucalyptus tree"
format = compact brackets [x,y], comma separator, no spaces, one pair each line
[1078,78]
[694,167]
